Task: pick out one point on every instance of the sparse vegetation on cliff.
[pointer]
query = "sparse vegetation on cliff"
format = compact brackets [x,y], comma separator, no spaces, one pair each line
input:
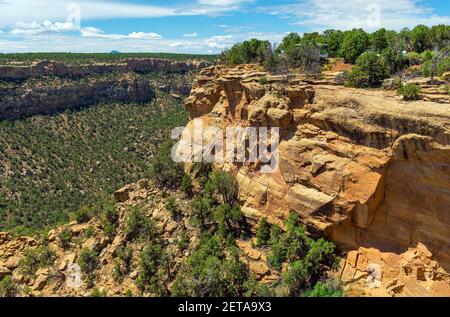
[7,287]
[90,58]
[409,92]
[55,166]
[88,262]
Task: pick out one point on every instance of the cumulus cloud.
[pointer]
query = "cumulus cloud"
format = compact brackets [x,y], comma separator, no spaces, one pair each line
[220,41]
[98,33]
[34,28]
[97,41]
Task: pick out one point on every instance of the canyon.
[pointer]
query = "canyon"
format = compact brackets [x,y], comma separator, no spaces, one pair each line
[362,168]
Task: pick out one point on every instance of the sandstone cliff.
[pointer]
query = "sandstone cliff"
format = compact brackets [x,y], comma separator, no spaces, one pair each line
[362,167]
[28,90]
[51,68]
[129,88]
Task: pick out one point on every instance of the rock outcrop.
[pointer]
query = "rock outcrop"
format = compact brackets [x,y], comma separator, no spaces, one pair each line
[59,69]
[63,277]
[363,168]
[127,88]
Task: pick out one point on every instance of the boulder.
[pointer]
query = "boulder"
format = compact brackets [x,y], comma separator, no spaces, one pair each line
[12,262]
[4,271]
[123,194]
[259,268]
[40,282]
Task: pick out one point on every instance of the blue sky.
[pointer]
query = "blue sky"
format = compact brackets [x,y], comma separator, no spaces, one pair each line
[193,26]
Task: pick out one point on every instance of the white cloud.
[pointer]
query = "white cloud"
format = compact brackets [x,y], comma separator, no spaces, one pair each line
[34,28]
[97,41]
[97,33]
[220,41]
[347,14]
[145,36]
[194,34]
[64,10]
[177,44]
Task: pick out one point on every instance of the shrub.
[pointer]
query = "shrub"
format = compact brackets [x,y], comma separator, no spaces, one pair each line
[369,71]
[65,237]
[378,40]
[163,170]
[183,242]
[202,211]
[223,184]
[171,206]
[430,69]
[94,162]
[309,259]
[89,232]
[138,226]
[7,287]
[88,262]
[296,278]
[255,289]
[409,92]
[421,39]
[186,185]
[35,259]
[123,265]
[152,270]
[96,292]
[227,219]
[444,66]
[414,58]
[110,218]
[329,288]
[209,272]
[252,51]
[306,58]
[392,83]
[275,233]
[263,81]
[354,43]
[394,60]
[263,233]
[437,65]
[83,215]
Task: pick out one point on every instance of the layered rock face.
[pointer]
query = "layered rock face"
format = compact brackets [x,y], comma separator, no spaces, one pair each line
[48,100]
[48,86]
[51,68]
[363,168]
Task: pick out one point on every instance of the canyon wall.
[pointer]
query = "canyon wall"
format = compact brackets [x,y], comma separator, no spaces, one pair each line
[49,100]
[361,167]
[59,69]
[47,87]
